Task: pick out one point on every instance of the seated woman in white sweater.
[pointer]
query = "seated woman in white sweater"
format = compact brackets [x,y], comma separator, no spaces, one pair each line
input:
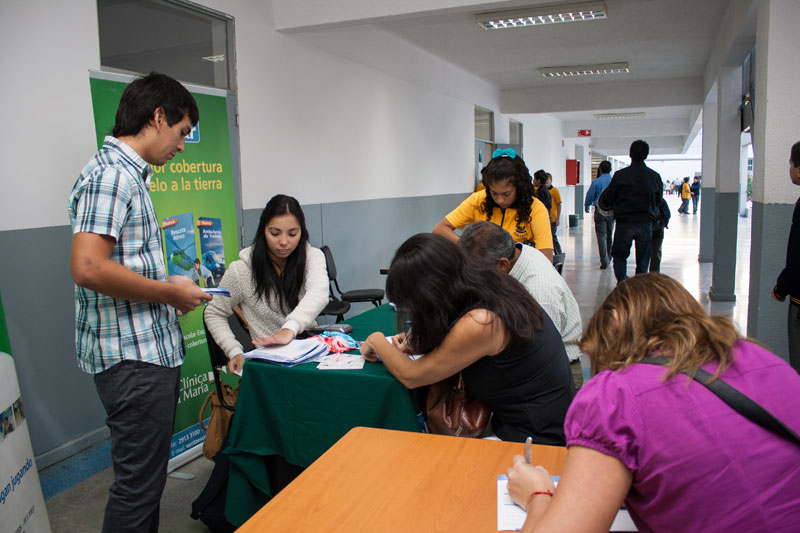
[280,283]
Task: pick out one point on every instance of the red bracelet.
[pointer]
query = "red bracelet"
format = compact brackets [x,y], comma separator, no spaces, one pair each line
[528,503]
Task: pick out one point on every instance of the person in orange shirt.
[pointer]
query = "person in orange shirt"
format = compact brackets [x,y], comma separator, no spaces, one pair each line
[555,211]
[507,201]
[686,194]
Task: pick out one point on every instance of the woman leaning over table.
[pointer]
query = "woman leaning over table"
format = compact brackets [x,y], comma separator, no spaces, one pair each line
[280,283]
[479,321]
[662,444]
[508,201]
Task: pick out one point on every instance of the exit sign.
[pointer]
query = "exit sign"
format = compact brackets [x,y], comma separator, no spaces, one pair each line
[584,133]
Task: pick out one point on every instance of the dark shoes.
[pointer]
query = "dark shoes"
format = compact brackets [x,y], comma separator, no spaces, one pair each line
[603,267]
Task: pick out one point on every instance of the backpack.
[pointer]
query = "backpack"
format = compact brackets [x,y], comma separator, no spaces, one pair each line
[663,215]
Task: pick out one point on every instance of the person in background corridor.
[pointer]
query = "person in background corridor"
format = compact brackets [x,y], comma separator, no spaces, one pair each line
[695,189]
[603,221]
[555,211]
[686,193]
[789,279]
[634,194]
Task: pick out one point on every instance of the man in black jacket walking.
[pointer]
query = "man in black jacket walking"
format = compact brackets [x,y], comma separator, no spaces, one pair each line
[634,195]
[789,279]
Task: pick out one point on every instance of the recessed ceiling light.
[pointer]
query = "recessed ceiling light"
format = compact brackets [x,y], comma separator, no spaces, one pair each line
[585,70]
[219,58]
[536,16]
[618,116]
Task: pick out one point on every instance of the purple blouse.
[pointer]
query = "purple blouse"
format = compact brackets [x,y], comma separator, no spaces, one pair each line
[697,464]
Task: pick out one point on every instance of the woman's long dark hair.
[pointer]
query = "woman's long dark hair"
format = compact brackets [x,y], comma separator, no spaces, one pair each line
[505,168]
[265,277]
[433,282]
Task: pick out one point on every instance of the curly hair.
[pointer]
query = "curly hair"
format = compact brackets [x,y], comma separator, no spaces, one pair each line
[516,172]
[654,314]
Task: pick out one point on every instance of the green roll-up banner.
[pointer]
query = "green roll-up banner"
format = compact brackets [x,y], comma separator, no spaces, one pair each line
[5,344]
[194,198]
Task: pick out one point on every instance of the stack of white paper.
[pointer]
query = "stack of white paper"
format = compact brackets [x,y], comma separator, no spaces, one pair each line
[510,517]
[294,353]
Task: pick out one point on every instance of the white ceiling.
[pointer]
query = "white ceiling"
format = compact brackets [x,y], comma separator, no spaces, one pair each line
[668,44]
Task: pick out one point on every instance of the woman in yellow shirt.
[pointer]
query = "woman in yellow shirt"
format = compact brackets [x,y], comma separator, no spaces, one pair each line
[507,201]
[686,193]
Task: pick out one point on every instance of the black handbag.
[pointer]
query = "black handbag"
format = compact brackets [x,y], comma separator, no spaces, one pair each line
[741,403]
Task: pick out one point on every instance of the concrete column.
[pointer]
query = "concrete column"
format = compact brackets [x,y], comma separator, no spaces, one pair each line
[708,188]
[777,115]
[726,215]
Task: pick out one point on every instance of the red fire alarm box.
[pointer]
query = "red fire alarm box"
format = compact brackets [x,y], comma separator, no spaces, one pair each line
[573,172]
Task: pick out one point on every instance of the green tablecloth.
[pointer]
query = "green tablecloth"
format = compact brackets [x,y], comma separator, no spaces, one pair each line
[298,413]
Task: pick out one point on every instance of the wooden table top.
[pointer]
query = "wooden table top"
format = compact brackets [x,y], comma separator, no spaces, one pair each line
[384,480]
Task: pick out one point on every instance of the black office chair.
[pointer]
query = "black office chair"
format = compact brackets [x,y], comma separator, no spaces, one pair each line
[359,295]
[335,307]
[217,355]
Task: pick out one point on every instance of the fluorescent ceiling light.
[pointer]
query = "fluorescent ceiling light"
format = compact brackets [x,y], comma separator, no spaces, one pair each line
[618,116]
[219,58]
[536,16]
[585,70]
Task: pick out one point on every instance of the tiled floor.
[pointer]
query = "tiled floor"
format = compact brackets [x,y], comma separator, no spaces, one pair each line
[80,507]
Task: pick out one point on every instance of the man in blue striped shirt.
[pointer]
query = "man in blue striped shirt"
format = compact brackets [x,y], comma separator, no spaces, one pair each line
[126,308]
[603,224]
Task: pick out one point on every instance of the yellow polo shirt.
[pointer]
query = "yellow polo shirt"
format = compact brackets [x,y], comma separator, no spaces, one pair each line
[555,197]
[536,232]
[686,191]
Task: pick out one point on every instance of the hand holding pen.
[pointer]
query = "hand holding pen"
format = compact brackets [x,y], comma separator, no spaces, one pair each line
[525,481]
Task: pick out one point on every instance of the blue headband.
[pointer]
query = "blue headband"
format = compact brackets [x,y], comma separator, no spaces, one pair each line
[508,152]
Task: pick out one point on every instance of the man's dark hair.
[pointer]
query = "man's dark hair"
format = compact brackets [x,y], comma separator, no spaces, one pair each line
[487,241]
[639,150]
[144,95]
[604,167]
[796,154]
[540,175]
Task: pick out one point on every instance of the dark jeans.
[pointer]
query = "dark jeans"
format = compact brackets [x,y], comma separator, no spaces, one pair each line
[139,399]
[655,253]
[604,229]
[684,208]
[556,244]
[794,335]
[624,236]
[695,199]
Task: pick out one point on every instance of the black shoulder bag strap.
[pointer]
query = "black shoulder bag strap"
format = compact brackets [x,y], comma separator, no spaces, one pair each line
[738,401]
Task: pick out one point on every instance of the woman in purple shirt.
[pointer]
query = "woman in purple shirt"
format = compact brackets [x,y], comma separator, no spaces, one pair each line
[661,444]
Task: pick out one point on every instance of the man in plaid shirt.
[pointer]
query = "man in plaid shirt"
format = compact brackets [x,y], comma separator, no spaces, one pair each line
[126,326]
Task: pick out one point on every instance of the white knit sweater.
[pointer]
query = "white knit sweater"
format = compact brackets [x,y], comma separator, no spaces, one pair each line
[265,317]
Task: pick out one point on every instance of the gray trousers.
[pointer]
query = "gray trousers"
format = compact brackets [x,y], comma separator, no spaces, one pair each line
[794,335]
[139,399]
[604,229]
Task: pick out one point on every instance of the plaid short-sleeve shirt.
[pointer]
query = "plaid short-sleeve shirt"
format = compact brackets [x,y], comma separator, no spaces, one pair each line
[111,197]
